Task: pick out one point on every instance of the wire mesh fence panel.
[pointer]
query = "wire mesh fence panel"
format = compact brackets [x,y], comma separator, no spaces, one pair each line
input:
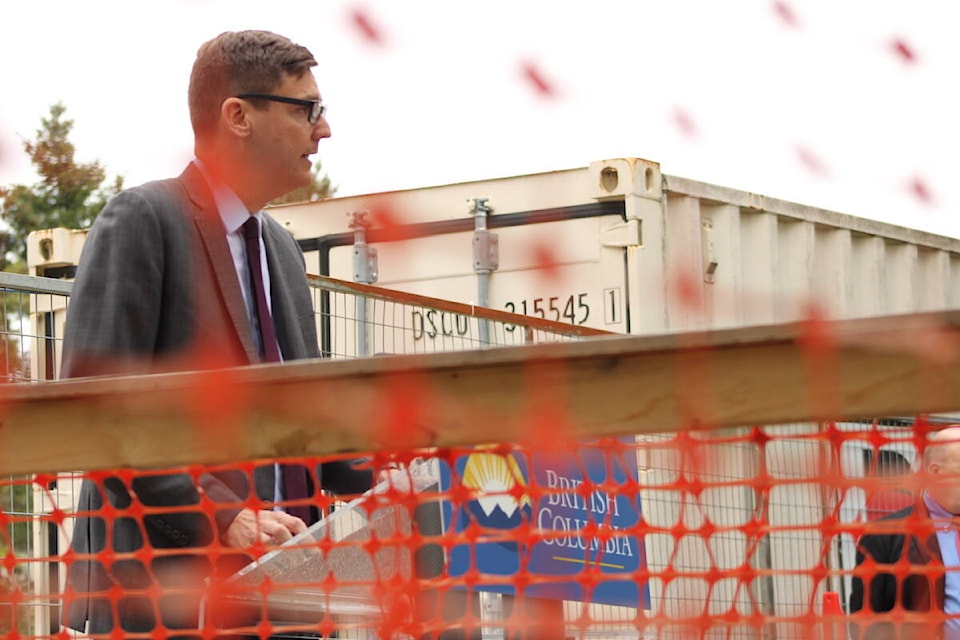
[34,310]
[744,521]
[719,467]
[355,320]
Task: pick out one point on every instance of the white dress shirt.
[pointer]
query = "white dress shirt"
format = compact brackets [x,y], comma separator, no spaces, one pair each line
[947,539]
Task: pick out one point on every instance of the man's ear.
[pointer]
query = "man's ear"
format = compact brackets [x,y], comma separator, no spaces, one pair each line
[235,115]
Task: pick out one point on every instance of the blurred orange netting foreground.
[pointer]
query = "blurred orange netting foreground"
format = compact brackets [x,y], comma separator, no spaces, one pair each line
[733,533]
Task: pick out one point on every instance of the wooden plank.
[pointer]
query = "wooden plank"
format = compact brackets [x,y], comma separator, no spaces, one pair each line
[902,365]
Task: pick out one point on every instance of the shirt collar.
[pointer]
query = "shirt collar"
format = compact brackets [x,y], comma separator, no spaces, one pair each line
[232,211]
[936,511]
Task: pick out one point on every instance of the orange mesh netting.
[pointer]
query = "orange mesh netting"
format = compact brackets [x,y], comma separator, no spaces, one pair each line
[734,533]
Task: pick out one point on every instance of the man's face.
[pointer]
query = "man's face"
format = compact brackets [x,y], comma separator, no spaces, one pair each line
[944,478]
[283,139]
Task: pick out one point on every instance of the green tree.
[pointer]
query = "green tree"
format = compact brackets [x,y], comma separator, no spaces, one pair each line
[318,189]
[69,193]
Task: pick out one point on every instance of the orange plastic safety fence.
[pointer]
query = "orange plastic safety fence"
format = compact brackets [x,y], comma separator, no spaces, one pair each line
[737,534]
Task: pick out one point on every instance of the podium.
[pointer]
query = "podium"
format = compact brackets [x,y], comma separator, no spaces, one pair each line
[353,568]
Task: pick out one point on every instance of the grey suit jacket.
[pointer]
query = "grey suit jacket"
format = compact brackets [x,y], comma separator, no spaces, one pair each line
[918,587]
[156,290]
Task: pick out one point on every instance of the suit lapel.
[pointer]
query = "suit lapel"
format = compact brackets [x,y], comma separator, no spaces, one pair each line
[214,240]
[924,551]
[281,300]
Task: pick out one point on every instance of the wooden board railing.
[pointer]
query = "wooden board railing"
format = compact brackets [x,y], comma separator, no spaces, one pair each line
[900,365]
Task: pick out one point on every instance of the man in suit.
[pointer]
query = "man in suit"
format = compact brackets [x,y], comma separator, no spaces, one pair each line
[889,496]
[909,561]
[168,281]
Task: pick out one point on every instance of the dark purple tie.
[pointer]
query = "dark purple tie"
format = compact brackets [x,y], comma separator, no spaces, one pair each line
[294,475]
[269,350]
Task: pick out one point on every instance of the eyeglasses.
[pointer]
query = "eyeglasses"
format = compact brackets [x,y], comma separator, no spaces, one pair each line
[315,108]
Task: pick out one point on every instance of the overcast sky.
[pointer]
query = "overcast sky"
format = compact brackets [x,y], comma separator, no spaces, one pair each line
[847,105]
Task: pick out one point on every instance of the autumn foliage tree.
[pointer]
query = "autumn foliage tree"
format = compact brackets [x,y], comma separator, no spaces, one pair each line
[69,193]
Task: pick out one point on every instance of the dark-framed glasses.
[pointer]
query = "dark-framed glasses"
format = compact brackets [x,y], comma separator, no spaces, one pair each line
[315,108]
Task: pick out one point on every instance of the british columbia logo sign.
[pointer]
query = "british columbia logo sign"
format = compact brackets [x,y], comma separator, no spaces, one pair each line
[585,546]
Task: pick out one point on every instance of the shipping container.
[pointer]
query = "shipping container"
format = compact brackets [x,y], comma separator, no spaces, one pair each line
[627,249]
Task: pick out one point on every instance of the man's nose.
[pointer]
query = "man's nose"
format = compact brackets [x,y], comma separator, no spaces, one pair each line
[321,129]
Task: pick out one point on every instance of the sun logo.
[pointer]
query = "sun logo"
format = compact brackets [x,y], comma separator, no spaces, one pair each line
[495,477]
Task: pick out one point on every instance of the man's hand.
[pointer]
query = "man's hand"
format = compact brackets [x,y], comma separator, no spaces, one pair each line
[267,527]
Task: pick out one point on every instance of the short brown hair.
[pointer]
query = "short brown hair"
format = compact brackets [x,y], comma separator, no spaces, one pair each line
[238,62]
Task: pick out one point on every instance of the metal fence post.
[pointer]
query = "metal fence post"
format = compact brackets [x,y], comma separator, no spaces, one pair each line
[486,259]
[365,272]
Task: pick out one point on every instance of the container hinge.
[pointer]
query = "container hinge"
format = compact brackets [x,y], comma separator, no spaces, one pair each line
[710,262]
[623,234]
[364,256]
[486,244]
